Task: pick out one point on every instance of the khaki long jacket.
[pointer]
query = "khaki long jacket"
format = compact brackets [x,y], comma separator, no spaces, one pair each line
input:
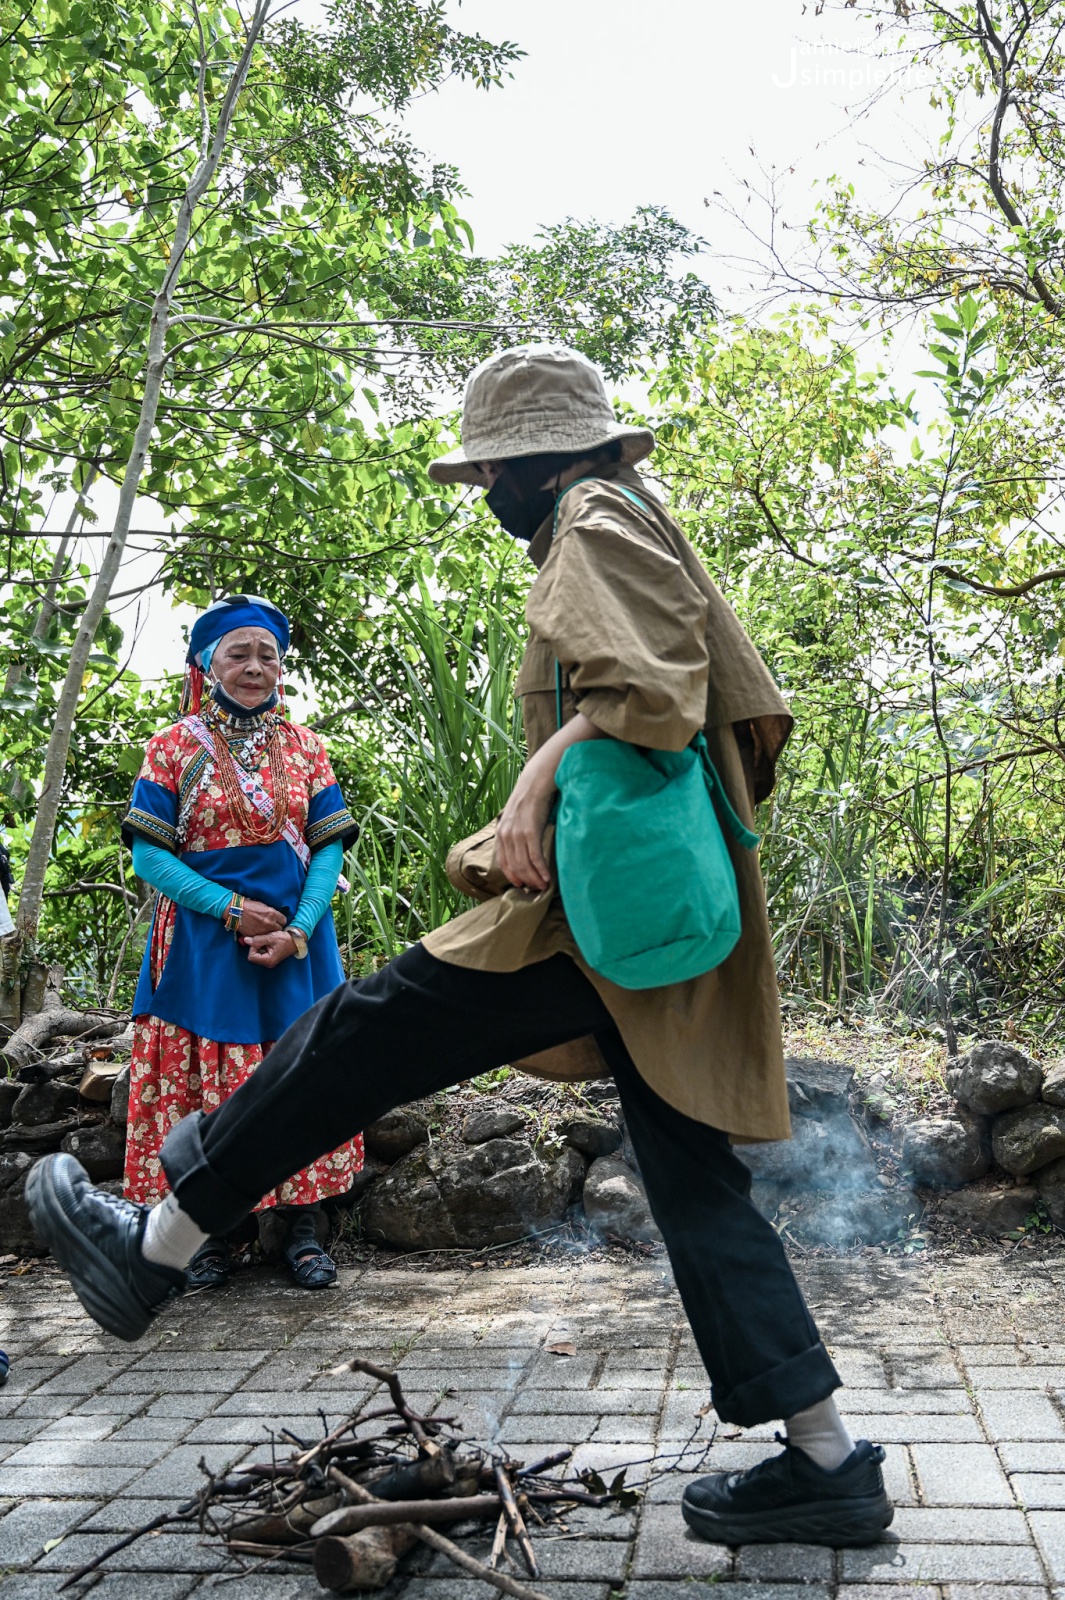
[652,653]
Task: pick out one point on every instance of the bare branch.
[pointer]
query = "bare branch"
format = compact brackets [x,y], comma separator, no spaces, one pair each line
[1008,591]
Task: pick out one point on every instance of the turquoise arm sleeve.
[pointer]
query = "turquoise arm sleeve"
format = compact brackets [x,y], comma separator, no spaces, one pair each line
[320,886]
[178,881]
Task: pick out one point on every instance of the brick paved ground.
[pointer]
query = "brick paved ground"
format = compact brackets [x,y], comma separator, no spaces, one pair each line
[959,1371]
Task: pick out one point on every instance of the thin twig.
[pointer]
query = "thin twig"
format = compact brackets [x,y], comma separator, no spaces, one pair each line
[544,1464]
[498,1580]
[516,1522]
[395,1389]
[499,1543]
[181,1515]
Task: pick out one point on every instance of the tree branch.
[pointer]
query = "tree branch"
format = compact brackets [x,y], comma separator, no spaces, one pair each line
[1008,591]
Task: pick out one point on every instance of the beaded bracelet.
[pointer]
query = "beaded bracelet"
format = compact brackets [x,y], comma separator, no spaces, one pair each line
[234,912]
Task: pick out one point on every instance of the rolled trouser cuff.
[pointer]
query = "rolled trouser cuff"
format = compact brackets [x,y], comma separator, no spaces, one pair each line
[201,1192]
[791,1386]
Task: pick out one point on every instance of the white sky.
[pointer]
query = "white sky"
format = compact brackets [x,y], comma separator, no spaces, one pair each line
[619,105]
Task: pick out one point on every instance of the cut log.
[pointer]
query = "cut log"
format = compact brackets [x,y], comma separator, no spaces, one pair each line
[284,1527]
[366,1560]
[98,1080]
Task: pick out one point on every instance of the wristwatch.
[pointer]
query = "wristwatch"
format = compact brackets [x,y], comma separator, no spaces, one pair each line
[299,939]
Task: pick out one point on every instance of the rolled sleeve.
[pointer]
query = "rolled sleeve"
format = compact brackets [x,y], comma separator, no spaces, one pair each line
[629,628]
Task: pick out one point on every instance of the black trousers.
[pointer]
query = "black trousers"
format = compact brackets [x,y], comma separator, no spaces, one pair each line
[419,1026]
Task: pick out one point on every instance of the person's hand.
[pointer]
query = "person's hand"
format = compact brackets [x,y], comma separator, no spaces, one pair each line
[270,949]
[257,918]
[520,830]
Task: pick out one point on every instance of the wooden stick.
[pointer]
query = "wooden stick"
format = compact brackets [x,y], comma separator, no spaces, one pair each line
[517,1522]
[577,1496]
[498,1580]
[387,1513]
[353,1490]
[395,1389]
[543,1465]
[437,1541]
[324,1444]
[499,1543]
[271,1552]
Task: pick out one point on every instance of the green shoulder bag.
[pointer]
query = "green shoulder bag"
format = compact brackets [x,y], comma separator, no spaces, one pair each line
[643,868]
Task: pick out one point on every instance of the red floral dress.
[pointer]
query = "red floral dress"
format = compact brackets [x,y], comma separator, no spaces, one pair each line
[176,1070]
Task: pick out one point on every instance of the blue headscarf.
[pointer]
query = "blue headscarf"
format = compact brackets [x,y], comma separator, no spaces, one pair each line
[235,611]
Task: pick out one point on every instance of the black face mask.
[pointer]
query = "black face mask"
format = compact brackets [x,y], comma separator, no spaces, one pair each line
[519,514]
[234,707]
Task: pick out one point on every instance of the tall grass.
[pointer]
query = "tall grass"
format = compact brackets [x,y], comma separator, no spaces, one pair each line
[853,860]
[453,749]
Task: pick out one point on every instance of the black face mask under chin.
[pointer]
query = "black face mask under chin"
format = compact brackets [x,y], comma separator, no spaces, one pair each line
[520,515]
[234,707]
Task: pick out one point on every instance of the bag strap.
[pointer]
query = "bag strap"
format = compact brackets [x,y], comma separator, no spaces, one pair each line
[588,478]
[722,804]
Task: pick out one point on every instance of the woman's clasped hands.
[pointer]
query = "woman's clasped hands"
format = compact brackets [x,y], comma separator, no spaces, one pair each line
[262,931]
[270,949]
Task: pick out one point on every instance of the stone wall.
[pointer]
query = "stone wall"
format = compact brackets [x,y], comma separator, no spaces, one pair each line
[76,1102]
[472,1170]
[1006,1126]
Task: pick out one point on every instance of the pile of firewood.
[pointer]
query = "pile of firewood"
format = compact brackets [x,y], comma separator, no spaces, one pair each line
[381,1482]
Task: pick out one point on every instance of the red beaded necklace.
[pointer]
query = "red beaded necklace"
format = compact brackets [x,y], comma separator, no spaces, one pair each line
[263,830]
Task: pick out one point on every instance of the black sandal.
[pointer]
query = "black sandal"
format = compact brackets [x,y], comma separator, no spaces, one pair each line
[311,1267]
[209,1267]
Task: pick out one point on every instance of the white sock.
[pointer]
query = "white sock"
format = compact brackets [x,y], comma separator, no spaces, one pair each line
[171,1238]
[821,1433]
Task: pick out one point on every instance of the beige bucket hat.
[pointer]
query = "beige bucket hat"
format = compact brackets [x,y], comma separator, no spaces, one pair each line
[531,400]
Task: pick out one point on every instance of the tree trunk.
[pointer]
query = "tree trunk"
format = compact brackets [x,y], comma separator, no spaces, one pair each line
[47,609]
[40,987]
[30,899]
[10,988]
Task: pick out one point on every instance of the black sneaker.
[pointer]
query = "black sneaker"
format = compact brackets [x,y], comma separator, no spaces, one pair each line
[790,1499]
[96,1238]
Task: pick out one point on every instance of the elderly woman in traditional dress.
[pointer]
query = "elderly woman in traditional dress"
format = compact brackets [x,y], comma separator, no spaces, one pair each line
[238,822]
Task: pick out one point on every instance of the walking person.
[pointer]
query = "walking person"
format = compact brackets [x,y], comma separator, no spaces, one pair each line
[628,641]
[238,822]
